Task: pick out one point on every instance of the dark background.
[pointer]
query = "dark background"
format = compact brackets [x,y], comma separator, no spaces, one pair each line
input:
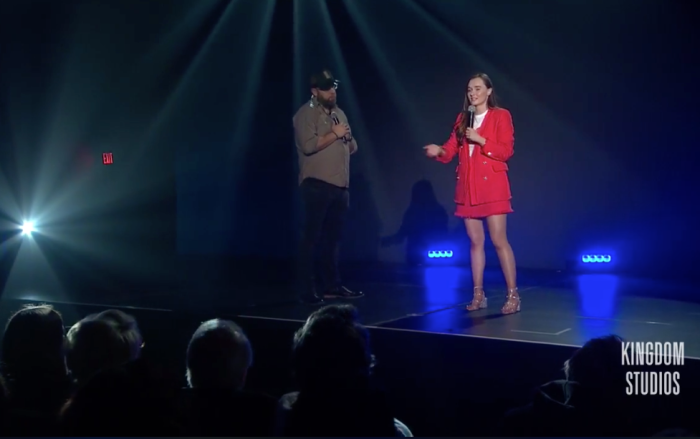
[195,99]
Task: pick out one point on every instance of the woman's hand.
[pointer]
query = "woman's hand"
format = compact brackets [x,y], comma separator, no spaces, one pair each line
[433,151]
[474,137]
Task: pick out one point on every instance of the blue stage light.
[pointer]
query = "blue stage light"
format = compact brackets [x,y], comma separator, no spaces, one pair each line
[440,253]
[593,259]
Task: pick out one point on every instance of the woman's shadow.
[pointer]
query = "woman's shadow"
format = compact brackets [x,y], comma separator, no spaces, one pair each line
[424,224]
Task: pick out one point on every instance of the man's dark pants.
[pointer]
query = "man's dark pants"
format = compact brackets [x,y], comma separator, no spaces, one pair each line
[325,206]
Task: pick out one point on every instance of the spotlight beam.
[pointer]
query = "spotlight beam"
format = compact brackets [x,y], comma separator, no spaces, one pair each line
[456,41]
[298,61]
[379,56]
[245,120]
[163,114]
[367,149]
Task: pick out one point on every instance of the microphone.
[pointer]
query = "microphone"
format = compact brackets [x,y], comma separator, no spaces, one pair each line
[471,110]
[336,121]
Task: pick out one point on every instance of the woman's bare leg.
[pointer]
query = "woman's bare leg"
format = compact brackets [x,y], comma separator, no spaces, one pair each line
[477,238]
[497,231]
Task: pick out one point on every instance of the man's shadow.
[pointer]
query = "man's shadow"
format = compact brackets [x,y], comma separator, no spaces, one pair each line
[424,224]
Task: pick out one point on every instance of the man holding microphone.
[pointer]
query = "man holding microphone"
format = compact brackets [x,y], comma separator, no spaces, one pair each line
[324,144]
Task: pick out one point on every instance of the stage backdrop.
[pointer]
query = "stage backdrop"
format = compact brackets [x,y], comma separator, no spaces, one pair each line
[604,101]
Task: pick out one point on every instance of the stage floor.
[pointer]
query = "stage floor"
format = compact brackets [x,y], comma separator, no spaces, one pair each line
[556,308]
[569,317]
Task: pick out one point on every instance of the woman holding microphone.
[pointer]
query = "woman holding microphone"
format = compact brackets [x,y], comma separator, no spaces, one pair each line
[482,139]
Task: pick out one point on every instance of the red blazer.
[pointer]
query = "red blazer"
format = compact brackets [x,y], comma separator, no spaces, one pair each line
[483,175]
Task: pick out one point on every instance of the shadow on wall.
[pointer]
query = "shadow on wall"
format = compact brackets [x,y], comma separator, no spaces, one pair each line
[424,224]
[362,224]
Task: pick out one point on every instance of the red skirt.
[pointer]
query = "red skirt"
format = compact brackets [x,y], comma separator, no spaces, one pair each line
[480,211]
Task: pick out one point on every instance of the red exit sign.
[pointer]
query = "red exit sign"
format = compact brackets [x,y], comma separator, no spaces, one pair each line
[107,158]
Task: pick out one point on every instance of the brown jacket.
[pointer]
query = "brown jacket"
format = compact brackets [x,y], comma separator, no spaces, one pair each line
[332,164]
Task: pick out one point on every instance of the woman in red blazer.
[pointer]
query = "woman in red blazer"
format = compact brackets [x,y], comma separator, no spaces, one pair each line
[483,188]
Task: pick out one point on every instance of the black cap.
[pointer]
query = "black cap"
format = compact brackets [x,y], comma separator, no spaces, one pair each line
[324,80]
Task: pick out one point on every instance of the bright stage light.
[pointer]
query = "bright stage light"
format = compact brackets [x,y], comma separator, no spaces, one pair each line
[588,259]
[27,228]
[440,254]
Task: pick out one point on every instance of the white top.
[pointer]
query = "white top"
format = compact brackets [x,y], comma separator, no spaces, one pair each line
[478,119]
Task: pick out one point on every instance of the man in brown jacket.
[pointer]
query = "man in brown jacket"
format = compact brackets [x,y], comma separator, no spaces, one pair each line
[324,143]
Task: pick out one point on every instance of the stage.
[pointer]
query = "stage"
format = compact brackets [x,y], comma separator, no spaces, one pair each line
[426,343]
[557,308]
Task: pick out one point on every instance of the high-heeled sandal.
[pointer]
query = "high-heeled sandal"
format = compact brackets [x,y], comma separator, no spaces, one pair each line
[479,300]
[512,304]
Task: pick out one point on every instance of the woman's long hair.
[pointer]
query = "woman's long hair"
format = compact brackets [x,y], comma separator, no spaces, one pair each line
[463,124]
